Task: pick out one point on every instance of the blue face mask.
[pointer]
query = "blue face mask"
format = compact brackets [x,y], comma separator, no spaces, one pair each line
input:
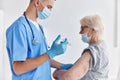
[85,38]
[44,14]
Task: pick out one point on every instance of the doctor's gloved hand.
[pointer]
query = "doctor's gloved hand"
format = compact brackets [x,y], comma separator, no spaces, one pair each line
[57,47]
[66,66]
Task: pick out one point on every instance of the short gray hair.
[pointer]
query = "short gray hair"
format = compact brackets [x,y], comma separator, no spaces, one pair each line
[31,1]
[94,22]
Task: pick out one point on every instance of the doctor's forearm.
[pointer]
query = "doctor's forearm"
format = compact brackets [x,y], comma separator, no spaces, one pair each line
[21,67]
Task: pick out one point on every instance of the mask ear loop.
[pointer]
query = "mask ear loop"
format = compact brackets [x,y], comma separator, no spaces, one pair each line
[36,6]
[42,6]
[93,34]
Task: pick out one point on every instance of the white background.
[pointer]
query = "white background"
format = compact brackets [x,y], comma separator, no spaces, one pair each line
[65,21]
[1,45]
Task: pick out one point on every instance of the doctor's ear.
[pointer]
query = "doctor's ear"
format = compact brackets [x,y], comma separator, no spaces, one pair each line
[36,2]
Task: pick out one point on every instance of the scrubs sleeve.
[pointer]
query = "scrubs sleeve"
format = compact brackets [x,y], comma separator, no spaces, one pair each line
[20,46]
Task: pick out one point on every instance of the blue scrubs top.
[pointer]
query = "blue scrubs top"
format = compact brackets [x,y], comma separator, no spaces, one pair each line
[20,47]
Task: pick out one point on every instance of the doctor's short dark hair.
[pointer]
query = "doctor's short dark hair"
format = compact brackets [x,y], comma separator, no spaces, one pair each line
[33,0]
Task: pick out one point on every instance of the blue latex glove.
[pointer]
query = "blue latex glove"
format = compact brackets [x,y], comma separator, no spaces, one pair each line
[66,66]
[57,47]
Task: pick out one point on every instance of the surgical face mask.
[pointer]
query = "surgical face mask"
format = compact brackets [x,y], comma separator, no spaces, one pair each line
[44,14]
[85,38]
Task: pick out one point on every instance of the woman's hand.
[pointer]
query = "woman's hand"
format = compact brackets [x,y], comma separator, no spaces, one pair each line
[58,74]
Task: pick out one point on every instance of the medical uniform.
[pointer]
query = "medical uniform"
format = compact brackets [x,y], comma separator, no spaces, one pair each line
[99,63]
[20,47]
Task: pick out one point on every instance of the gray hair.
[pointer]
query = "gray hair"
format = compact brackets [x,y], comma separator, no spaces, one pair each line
[94,22]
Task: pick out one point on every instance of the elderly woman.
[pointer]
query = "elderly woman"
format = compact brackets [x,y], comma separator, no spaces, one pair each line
[93,63]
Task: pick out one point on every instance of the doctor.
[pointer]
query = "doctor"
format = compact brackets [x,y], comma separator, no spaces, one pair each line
[28,52]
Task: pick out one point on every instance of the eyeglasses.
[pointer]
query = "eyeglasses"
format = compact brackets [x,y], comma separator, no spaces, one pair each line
[86,27]
[83,27]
